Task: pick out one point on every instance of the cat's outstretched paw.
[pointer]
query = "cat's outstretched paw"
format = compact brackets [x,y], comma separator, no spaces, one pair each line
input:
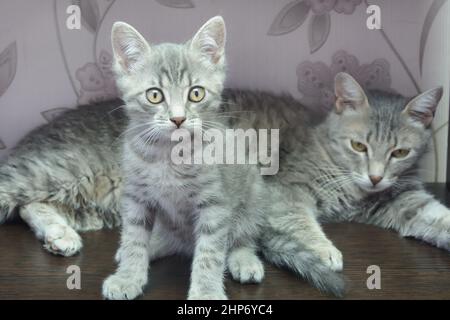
[121,287]
[218,295]
[245,267]
[330,256]
[432,225]
[62,240]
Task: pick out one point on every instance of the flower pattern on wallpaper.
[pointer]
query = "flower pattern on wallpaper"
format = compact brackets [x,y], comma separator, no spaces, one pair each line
[316,79]
[295,13]
[96,80]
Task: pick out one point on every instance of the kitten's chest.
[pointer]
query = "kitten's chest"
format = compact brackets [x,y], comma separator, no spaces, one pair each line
[174,189]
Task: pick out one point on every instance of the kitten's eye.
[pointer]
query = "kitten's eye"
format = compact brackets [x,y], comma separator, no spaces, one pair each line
[197,94]
[400,153]
[358,146]
[155,96]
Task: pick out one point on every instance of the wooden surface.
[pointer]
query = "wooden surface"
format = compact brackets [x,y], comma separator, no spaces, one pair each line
[409,269]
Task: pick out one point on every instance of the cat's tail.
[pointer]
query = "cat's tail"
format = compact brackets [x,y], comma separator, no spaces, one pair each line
[283,252]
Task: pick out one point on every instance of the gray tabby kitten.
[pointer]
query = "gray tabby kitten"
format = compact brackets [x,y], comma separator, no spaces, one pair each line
[213,212]
[360,164]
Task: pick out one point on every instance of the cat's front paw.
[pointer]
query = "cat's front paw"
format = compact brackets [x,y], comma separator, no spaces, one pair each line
[210,295]
[245,267]
[122,287]
[439,233]
[62,240]
[330,256]
[431,224]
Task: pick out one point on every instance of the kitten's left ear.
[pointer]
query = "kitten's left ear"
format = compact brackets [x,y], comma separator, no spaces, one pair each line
[423,107]
[210,40]
[129,46]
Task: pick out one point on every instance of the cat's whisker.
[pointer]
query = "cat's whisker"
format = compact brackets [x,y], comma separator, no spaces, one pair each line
[115,109]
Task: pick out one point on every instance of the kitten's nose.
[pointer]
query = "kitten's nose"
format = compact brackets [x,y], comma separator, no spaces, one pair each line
[178,121]
[375,179]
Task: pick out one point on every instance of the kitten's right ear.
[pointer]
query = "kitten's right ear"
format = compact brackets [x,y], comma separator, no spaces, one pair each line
[210,40]
[129,46]
[349,93]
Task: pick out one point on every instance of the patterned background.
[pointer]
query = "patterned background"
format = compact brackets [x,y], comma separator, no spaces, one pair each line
[278,45]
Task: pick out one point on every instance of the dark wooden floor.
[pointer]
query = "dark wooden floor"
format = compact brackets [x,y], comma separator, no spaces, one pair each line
[409,269]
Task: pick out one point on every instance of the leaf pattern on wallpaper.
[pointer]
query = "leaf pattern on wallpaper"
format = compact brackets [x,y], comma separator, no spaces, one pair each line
[431,15]
[8,65]
[184,4]
[2,145]
[316,79]
[52,114]
[318,31]
[295,13]
[90,13]
[290,18]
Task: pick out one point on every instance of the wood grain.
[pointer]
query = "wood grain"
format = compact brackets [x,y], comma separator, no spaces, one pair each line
[410,269]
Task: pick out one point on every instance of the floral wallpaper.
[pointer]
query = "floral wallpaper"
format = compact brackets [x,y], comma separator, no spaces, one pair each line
[295,46]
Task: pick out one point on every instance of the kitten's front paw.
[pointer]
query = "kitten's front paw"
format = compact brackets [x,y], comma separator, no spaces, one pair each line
[330,256]
[121,287]
[218,295]
[62,240]
[245,267]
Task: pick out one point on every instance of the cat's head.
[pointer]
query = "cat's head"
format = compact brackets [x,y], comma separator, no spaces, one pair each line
[169,86]
[378,136]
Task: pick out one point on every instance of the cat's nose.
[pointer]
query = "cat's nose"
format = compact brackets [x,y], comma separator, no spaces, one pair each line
[375,179]
[178,121]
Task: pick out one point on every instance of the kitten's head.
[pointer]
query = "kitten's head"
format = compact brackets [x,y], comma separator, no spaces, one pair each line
[169,86]
[379,136]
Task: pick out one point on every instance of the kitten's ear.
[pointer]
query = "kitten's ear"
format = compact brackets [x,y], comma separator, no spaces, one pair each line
[129,46]
[349,93]
[210,40]
[423,107]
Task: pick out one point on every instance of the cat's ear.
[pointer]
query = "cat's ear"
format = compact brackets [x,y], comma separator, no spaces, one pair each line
[129,46]
[349,93]
[423,107]
[210,40]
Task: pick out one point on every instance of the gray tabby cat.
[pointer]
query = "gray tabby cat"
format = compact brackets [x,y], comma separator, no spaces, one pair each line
[65,177]
[213,212]
[360,164]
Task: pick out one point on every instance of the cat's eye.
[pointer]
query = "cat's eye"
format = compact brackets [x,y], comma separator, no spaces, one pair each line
[400,153]
[196,94]
[359,146]
[155,96]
